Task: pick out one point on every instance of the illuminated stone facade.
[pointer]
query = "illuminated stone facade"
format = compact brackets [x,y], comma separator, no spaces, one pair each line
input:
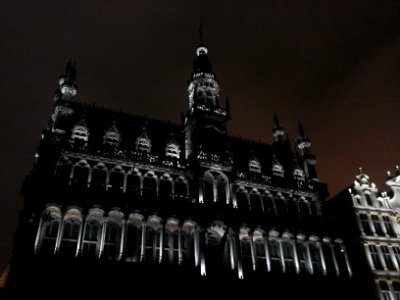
[373,222]
[128,194]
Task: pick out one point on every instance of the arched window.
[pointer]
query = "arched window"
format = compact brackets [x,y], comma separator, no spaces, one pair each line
[242,198]
[152,239]
[172,242]
[222,187]
[133,183]
[245,251]
[215,242]
[255,201]
[116,180]
[385,291]
[269,205]
[302,256]
[92,233]
[133,238]
[377,225]
[48,230]
[315,258]
[181,189]
[389,226]
[150,186]
[365,224]
[165,188]
[112,236]
[329,263]
[112,240]
[80,174]
[208,187]
[288,255]
[99,178]
[275,255]
[71,231]
[341,259]
[189,250]
[259,249]
[396,289]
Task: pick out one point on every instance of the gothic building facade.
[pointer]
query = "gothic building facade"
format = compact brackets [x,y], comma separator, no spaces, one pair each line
[115,197]
[372,220]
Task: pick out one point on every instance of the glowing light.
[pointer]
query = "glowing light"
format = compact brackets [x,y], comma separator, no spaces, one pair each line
[203,267]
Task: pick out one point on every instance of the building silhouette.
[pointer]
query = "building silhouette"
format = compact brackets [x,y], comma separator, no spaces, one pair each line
[372,219]
[116,202]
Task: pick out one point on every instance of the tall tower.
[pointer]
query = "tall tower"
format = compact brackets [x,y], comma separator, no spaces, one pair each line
[205,121]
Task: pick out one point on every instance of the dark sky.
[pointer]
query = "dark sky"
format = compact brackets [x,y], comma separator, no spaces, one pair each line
[334,65]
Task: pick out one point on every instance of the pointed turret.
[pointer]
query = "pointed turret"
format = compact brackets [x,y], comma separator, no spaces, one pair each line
[303,142]
[308,159]
[278,131]
[203,87]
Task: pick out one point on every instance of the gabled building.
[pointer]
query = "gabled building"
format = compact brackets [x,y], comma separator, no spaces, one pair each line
[116,200]
[372,219]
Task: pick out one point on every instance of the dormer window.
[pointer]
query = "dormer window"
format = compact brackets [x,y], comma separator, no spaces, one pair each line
[80,133]
[112,137]
[254,166]
[298,174]
[172,150]
[277,170]
[143,144]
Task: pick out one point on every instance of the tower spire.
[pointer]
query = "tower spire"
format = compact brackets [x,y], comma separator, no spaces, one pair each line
[278,132]
[67,81]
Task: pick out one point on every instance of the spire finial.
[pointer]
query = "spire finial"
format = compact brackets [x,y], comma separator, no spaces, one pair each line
[360,170]
[201,34]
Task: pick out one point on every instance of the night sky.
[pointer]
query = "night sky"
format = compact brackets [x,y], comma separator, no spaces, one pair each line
[333,65]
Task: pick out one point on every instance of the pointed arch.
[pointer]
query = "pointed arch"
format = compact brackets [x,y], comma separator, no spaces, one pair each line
[255,201]
[150,185]
[133,237]
[165,187]
[208,187]
[71,231]
[113,235]
[80,174]
[134,182]
[181,189]
[116,180]
[92,233]
[47,234]
[268,204]
[242,198]
[99,177]
[172,242]
[153,239]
